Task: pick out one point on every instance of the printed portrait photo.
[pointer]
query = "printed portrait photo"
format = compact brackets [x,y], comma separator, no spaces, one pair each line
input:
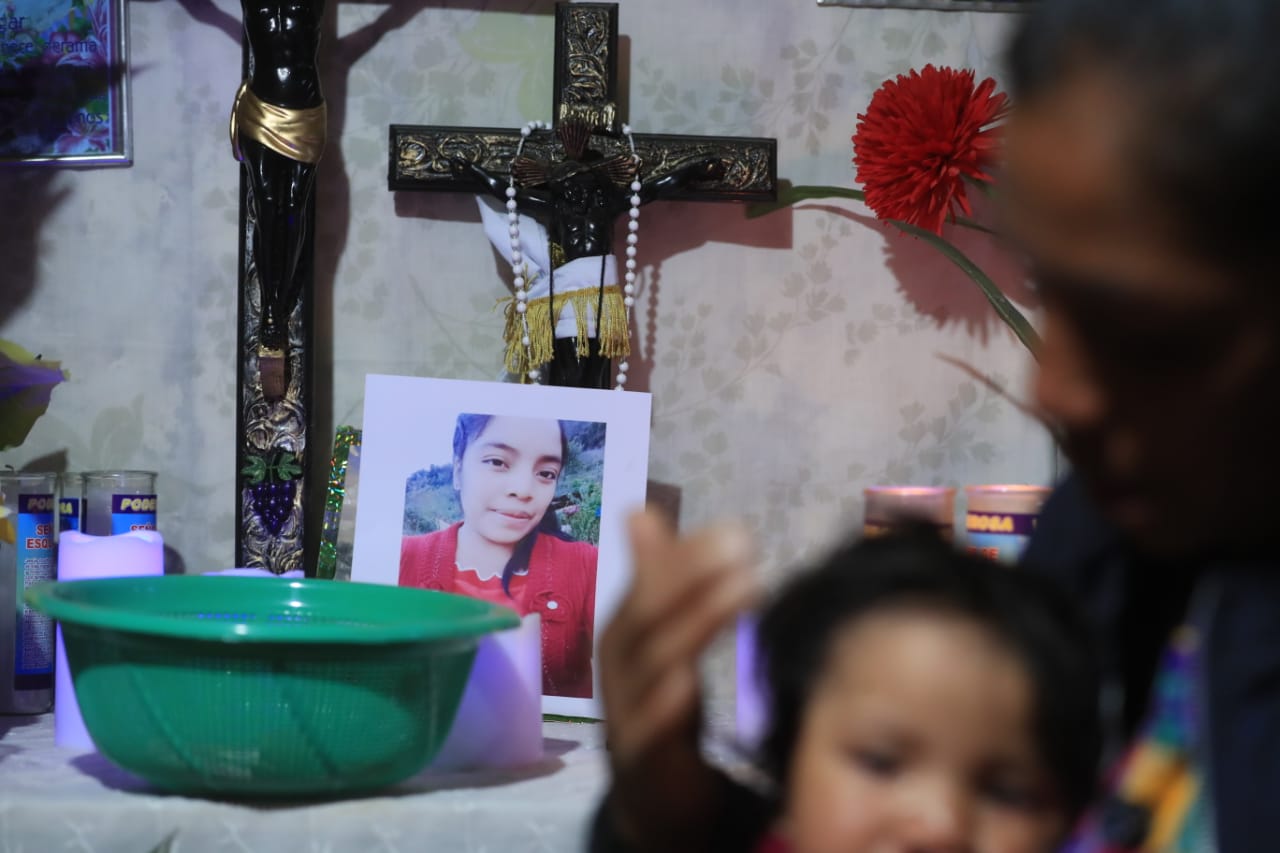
[515,494]
[511,515]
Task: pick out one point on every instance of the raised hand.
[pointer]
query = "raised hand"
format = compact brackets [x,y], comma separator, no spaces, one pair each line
[684,592]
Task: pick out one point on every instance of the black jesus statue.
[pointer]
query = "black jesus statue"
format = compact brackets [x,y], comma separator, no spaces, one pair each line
[278,133]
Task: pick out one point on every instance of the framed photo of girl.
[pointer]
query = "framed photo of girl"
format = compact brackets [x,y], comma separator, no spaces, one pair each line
[517,494]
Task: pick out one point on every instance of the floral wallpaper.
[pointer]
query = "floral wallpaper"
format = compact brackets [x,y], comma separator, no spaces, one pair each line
[793,358]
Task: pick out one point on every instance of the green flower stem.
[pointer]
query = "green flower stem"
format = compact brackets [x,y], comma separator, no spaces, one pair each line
[985,187]
[965,222]
[790,195]
[1012,317]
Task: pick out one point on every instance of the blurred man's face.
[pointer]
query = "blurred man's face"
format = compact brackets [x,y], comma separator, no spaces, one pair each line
[1159,368]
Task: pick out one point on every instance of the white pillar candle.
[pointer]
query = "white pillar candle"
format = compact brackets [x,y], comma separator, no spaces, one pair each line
[499,720]
[81,557]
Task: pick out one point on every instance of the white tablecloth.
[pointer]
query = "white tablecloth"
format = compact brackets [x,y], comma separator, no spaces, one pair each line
[54,799]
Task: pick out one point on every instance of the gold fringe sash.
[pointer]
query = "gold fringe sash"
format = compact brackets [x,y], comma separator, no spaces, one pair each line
[615,338]
[296,134]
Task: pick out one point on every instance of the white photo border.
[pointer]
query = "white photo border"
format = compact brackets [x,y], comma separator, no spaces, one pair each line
[409,421]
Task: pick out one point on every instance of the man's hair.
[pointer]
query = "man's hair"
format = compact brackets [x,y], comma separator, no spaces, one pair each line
[1204,80]
[1023,611]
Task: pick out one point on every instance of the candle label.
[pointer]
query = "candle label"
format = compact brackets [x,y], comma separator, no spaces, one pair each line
[33,651]
[132,512]
[999,536]
[68,514]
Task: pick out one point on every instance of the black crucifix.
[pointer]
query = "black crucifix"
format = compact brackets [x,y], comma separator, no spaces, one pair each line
[278,128]
[576,180]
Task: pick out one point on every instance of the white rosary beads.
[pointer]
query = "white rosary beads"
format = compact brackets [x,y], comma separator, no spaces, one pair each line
[519,270]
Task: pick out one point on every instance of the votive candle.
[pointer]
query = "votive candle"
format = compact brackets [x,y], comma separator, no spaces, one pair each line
[118,502]
[999,519]
[889,506]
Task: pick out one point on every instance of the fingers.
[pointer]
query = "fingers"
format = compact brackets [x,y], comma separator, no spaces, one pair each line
[677,636]
[683,592]
[667,714]
[667,570]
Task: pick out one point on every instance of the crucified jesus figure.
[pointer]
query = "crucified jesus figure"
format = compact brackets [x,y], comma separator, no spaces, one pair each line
[576,316]
[278,133]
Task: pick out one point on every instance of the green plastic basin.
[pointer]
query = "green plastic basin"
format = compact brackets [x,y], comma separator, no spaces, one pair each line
[235,686]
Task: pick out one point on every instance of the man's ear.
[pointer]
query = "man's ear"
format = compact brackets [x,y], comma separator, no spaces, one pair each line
[457,475]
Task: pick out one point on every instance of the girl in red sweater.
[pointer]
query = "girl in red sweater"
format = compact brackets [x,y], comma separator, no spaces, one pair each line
[508,548]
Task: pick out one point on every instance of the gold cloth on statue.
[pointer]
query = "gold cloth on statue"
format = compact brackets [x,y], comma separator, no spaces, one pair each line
[615,338]
[296,134]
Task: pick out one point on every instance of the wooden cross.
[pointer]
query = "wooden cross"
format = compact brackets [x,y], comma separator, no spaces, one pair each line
[585,90]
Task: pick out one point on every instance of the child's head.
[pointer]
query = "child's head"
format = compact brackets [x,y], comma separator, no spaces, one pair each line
[925,700]
[505,470]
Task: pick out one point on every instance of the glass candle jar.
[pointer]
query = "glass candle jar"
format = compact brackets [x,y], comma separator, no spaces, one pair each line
[999,519]
[889,506]
[118,502]
[26,559]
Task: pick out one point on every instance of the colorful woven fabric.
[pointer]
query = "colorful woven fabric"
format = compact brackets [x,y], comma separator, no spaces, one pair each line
[1159,800]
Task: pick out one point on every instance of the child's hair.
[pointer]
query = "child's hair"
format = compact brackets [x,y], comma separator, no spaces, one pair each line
[468,428]
[917,569]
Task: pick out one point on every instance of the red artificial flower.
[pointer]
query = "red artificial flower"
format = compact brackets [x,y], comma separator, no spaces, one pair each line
[923,134]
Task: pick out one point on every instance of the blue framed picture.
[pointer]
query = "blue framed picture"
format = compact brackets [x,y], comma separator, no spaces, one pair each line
[64,94]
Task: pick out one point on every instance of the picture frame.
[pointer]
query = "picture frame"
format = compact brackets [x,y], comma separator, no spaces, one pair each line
[517,494]
[939,5]
[64,83]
